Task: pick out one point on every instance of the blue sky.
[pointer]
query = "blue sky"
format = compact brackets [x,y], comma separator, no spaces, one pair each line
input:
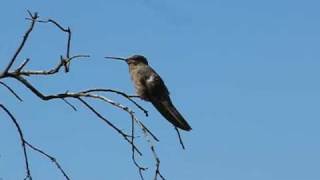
[245,74]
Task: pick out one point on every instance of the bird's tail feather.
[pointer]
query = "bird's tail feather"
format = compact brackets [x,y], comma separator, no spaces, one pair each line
[167,109]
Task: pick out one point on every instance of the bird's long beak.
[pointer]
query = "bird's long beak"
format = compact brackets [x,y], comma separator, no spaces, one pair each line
[116,58]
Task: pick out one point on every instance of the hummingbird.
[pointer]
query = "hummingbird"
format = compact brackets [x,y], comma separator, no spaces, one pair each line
[150,87]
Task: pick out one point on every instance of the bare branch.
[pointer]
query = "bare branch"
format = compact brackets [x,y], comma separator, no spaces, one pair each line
[20,74]
[140,168]
[148,131]
[33,17]
[69,33]
[67,102]
[24,63]
[179,136]
[155,156]
[11,90]
[125,136]
[77,96]
[23,143]
[51,158]
[54,70]
[122,94]
[125,108]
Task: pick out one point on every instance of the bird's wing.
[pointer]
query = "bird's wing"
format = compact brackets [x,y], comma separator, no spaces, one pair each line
[156,87]
[159,96]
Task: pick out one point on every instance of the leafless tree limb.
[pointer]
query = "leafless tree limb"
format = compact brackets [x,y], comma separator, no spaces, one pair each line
[54,70]
[71,105]
[66,64]
[140,168]
[155,156]
[34,17]
[122,94]
[20,75]
[53,159]
[25,143]
[11,90]
[23,64]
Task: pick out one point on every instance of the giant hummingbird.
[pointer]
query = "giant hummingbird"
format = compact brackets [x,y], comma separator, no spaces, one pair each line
[150,87]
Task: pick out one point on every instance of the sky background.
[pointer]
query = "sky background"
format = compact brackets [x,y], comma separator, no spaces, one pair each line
[245,74]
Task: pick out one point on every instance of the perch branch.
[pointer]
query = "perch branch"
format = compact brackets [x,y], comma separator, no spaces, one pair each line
[20,75]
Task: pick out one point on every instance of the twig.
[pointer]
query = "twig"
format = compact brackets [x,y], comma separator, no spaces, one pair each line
[140,168]
[125,136]
[180,139]
[149,132]
[122,94]
[23,142]
[72,106]
[34,17]
[125,108]
[20,74]
[54,160]
[11,90]
[53,70]
[69,34]
[24,63]
[155,156]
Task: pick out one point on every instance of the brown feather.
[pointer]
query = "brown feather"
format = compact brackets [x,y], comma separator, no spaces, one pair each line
[167,109]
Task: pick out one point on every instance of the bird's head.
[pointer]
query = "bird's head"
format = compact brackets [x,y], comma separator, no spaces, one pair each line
[132,60]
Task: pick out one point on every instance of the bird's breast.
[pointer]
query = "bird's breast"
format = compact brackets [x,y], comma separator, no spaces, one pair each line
[138,77]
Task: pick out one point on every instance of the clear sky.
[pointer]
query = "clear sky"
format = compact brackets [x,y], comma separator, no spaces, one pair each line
[245,74]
